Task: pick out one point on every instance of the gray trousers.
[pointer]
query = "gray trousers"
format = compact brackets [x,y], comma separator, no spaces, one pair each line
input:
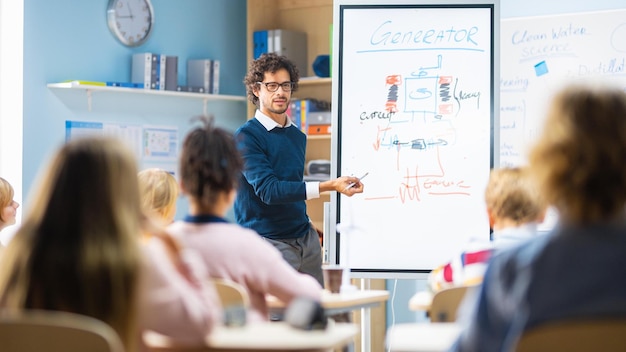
[303,254]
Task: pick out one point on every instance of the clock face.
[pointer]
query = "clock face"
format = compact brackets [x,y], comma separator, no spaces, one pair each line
[130,21]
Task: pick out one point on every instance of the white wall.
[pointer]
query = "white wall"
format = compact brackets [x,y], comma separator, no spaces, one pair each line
[11,97]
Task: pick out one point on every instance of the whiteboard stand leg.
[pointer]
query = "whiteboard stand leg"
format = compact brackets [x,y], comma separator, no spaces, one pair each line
[366,339]
[326,237]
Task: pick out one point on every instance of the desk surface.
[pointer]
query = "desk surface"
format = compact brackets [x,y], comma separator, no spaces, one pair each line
[422,337]
[344,300]
[263,336]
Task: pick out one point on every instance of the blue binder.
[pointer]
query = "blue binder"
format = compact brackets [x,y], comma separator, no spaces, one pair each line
[259,39]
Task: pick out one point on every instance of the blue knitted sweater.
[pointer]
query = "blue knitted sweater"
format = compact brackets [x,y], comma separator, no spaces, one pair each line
[271,195]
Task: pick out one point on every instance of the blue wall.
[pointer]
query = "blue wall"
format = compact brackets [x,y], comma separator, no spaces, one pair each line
[403,290]
[69,39]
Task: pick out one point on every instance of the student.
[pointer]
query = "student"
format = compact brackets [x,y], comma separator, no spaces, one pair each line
[78,251]
[576,270]
[210,166]
[159,192]
[272,194]
[8,206]
[515,208]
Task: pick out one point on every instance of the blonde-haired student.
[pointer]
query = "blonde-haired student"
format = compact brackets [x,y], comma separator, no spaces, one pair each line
[159,192]
[78,250]
[515,208]
[8,206]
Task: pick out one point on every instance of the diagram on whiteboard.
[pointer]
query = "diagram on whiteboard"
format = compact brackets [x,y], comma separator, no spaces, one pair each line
[418,123]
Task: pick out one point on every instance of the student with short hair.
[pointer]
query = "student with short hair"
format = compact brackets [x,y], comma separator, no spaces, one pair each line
[210,167]
[515,208]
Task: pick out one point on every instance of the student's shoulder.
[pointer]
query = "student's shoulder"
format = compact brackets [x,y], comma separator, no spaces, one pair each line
[521,255]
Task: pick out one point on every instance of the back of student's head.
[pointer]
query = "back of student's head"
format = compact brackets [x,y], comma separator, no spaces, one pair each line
[77,248]
[6,195]
[210,164]
[513,196]
[580,158]
[159,192]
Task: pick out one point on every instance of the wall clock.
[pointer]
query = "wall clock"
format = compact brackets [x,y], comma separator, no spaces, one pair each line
[130,21]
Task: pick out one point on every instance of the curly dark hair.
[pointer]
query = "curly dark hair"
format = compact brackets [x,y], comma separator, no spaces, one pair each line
[210,163]
[268,62]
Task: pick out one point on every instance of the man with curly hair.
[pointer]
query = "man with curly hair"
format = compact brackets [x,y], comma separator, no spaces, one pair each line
[272,193]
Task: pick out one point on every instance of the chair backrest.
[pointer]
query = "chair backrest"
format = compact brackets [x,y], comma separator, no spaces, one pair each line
[52,331]
[235,301]
[446,302]
[575,336]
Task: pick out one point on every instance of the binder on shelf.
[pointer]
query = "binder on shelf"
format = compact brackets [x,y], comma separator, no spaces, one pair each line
[319,129]
[124,84]
[292,44]
[171,73]
[204,73]
[306,113]
[259,41]
[146,69]
[294,111]
[161,64]
[318,117]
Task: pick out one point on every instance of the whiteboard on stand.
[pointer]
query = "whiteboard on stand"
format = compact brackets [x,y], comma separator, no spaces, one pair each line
[414,102]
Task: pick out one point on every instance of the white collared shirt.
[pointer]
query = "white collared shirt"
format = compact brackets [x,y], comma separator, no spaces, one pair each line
[312,187]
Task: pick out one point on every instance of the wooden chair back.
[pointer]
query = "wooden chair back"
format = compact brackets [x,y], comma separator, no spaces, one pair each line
[575,336]
[446,302]
[235,301]
[53,331]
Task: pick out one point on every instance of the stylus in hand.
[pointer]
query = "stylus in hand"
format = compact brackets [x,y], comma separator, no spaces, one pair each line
[352,184]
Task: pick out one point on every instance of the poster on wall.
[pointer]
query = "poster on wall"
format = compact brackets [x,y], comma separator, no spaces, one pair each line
[154,146]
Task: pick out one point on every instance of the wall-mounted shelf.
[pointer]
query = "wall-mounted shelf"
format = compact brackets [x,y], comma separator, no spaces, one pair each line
[76,94]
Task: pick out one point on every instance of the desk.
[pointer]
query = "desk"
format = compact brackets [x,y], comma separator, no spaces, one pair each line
[422,337]
[262,337]
[337,303]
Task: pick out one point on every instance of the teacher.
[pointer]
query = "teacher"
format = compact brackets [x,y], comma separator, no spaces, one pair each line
[272,194]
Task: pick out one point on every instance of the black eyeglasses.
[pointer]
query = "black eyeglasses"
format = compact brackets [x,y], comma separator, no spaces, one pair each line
[273,86]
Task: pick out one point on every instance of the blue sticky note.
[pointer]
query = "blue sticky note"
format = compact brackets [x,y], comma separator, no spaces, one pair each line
[541,68]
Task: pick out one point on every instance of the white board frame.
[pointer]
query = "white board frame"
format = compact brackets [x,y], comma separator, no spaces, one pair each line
[337,254]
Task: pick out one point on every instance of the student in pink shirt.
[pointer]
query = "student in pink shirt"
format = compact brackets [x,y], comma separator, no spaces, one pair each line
[210,167]
[78,250]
